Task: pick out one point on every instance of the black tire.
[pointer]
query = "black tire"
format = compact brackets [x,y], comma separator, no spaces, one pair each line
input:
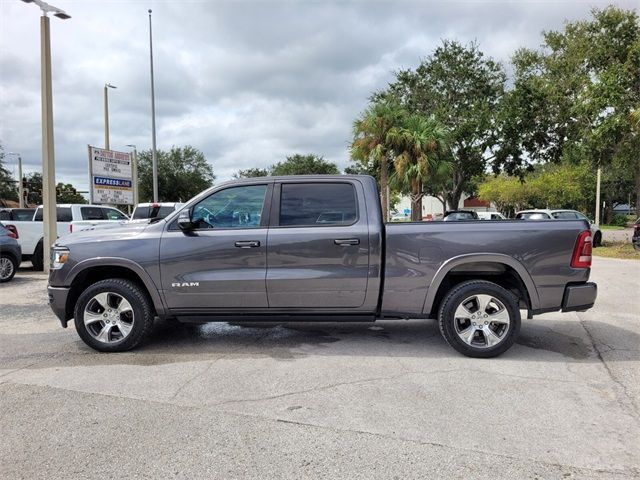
[11,266]
[597,239]
[448,323]
[143,314]
[37,259]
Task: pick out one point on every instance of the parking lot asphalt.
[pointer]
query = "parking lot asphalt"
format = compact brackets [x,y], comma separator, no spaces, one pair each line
[330,400]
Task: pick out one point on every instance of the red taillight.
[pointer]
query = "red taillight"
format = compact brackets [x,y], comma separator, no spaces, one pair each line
[70,228]
[582,252]
[13,231]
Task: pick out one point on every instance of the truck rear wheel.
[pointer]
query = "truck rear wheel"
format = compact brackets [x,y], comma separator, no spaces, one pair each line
[113,315]
[479,319]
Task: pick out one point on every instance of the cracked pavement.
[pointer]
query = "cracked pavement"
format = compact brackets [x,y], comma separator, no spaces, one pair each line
[330,400]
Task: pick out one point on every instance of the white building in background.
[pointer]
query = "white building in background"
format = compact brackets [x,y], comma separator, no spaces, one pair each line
[432,208]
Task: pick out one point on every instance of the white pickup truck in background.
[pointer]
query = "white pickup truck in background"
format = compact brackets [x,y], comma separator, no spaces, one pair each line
[71,218]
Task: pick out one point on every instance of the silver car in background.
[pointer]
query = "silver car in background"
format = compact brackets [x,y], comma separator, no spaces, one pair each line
[546,214]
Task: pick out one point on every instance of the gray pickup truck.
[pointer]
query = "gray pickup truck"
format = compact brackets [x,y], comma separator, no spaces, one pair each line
[314,248]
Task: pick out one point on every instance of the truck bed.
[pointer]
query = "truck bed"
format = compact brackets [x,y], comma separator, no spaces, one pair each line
[420,255]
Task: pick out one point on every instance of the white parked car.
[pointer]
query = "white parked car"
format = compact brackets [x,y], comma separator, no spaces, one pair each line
[71,218]
[561,214]
[491,216]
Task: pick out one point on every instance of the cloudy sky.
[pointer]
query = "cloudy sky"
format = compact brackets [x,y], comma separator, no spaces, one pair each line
[245,82]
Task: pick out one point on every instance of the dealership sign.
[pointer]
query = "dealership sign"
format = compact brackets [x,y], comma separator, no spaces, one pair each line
[111,177]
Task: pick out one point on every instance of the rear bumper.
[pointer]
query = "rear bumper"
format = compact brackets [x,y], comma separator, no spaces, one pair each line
[58,303]
[579,297]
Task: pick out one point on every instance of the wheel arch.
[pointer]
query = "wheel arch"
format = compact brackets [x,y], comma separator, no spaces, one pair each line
[90,271]
[501,269]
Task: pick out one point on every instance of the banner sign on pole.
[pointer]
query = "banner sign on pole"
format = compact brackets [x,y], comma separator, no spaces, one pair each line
[111,177]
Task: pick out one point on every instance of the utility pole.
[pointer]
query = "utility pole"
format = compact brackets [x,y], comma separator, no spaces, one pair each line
[107,86]
[20,185]
[598,197]
[49,220]
[134,174]
[154,158]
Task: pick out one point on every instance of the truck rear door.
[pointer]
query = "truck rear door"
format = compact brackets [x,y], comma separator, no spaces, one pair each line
[317,245]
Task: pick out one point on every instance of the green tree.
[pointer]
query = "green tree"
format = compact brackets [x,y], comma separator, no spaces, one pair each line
[462,90]
[67,193]
[251,173]
[371,146]
[573,99]
[34,186]
[183,172]
[420,145]
[305,165]
[8,186]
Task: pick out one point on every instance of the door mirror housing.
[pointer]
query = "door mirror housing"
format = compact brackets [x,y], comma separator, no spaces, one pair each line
[184,220]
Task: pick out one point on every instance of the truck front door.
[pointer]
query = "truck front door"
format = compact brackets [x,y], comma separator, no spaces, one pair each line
[220,264]
[318,246]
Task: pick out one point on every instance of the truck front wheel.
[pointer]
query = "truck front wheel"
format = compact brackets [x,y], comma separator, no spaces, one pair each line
[479,318]
[113,315]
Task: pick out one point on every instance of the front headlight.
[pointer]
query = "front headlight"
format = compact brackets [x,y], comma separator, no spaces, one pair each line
[59,256]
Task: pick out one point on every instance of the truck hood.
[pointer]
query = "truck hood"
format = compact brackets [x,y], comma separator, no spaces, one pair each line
[122,231]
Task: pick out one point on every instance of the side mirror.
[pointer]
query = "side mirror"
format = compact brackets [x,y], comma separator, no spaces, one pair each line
[184,220]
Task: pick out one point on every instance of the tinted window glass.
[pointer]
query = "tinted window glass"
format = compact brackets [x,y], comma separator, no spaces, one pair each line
[63,214]
[532,216]
[454,216]
[152,212]
[113,214]
[564,215]
[23,214]
[5,215]
[92,213]
[237,207]
[315,204]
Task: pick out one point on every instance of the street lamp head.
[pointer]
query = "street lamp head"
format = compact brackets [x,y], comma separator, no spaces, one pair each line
[46,8]
[109,85]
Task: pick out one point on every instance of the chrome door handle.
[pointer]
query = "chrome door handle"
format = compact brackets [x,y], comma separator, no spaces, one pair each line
[344,242]
[248,244]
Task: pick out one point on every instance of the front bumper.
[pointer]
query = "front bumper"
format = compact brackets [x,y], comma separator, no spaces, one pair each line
[579,297]
[58,303]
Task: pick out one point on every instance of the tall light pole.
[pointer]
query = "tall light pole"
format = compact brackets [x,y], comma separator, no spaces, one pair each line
[20,186]
[49,220]
[134,174]
[107,86]
[154,158]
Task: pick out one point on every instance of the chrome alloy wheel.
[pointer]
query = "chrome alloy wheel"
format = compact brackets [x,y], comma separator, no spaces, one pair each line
[6,268]
[108,317]
[482,321]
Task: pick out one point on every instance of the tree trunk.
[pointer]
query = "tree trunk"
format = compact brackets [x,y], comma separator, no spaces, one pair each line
[384,184]
[453,196]
[416,201]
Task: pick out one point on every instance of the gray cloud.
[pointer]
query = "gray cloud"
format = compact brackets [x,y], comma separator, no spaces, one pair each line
[246,82]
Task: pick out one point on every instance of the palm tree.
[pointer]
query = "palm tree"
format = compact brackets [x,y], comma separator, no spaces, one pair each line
[420,144]
[371,144]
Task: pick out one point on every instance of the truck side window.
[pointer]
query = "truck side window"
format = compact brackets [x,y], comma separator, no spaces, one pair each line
[92,213]
[63,214]
[113,214]
[317,204]
[236,207]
